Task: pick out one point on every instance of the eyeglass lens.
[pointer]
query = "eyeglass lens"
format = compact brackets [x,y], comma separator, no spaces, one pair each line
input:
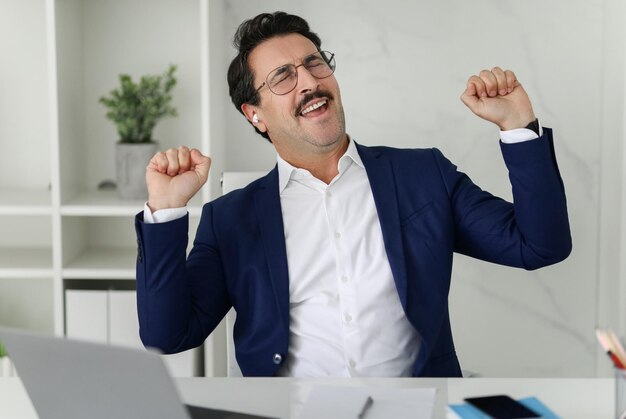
[285,78]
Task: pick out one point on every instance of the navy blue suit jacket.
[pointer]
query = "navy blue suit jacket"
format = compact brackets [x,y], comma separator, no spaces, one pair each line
[427,211]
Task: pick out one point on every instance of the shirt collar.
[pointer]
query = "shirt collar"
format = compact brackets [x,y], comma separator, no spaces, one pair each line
[286,171]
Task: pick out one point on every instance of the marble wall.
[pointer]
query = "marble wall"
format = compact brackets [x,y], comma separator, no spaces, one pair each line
[402,66]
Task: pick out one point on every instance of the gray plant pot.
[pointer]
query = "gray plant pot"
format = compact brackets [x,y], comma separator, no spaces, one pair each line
[130,168]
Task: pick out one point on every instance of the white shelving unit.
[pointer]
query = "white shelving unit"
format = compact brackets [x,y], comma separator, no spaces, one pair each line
[58,228]
[94,42]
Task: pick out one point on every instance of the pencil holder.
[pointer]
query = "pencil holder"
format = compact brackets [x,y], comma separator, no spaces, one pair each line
[6,367]
[620,393]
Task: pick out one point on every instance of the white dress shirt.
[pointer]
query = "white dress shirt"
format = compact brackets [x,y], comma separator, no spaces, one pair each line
[345,313]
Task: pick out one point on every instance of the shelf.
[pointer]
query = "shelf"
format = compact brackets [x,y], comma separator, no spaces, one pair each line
[101,203]
[25,202]
[102,263]
[25,263]
[108,204]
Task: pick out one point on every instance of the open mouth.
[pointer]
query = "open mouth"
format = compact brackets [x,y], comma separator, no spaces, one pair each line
[315,108]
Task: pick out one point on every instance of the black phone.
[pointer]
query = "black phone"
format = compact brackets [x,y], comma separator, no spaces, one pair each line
[502,407]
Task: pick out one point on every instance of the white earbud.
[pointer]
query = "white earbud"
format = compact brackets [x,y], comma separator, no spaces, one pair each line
[255,119]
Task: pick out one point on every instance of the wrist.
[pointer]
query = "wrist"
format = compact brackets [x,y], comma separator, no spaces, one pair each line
[159,204]
[534,127]
[524,122]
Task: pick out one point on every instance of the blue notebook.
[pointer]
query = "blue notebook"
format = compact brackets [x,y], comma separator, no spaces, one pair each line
[467,411]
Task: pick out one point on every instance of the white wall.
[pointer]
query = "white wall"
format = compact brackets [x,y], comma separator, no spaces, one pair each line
[402,66]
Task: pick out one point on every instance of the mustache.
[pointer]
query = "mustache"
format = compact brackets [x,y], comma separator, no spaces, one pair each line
[310,96]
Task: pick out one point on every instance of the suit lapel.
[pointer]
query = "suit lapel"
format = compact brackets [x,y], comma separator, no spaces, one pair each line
[383,183]
[270,220]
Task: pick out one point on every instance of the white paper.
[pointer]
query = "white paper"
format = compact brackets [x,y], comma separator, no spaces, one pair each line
[339,402]
[399,403]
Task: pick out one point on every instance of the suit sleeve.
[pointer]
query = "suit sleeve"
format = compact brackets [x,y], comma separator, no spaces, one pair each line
[179,300]
[530,233]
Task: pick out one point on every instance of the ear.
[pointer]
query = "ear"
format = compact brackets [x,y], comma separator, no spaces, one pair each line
[250,112]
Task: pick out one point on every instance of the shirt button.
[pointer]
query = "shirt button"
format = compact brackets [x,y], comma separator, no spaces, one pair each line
[344,278]
[347,317]
[337,235]
[352,363]
[277,359]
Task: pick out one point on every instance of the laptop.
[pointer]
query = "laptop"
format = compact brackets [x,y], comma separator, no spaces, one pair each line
[71,379]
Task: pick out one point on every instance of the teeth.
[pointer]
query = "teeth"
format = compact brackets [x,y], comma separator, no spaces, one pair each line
[314,107]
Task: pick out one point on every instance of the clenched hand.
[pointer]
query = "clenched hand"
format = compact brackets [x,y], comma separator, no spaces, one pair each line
[496,96]
[175,176]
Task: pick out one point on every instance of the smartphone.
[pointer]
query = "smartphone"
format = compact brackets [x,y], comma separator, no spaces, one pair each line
[502,407]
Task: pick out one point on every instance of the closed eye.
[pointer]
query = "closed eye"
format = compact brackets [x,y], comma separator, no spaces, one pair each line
[313,61]
[281,74]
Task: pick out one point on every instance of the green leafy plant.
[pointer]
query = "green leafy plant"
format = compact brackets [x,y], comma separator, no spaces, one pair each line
[135,108]
[3,351]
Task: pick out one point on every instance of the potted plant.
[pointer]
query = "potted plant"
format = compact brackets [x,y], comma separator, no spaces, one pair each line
[135,109]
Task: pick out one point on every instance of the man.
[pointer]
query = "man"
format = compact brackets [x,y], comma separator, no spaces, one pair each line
[338,261]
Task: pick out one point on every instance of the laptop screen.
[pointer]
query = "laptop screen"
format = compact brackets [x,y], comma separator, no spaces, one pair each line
[69,379]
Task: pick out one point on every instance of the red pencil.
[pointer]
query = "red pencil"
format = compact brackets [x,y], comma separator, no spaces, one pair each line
[618,349]
[608,347]
[616,360]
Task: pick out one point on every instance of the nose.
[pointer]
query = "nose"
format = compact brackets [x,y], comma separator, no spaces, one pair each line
[306,81]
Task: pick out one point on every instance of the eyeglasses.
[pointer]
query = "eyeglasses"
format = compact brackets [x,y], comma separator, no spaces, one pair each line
[284,79]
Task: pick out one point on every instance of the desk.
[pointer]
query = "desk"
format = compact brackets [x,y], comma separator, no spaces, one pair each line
[283,397]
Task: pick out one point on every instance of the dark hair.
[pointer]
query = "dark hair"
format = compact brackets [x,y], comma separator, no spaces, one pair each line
[249,35]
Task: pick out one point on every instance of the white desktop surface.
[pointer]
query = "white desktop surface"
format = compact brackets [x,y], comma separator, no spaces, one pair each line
[283,397]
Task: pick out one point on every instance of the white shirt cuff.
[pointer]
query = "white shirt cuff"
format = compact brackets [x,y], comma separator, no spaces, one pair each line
[162,215]
[519,135]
